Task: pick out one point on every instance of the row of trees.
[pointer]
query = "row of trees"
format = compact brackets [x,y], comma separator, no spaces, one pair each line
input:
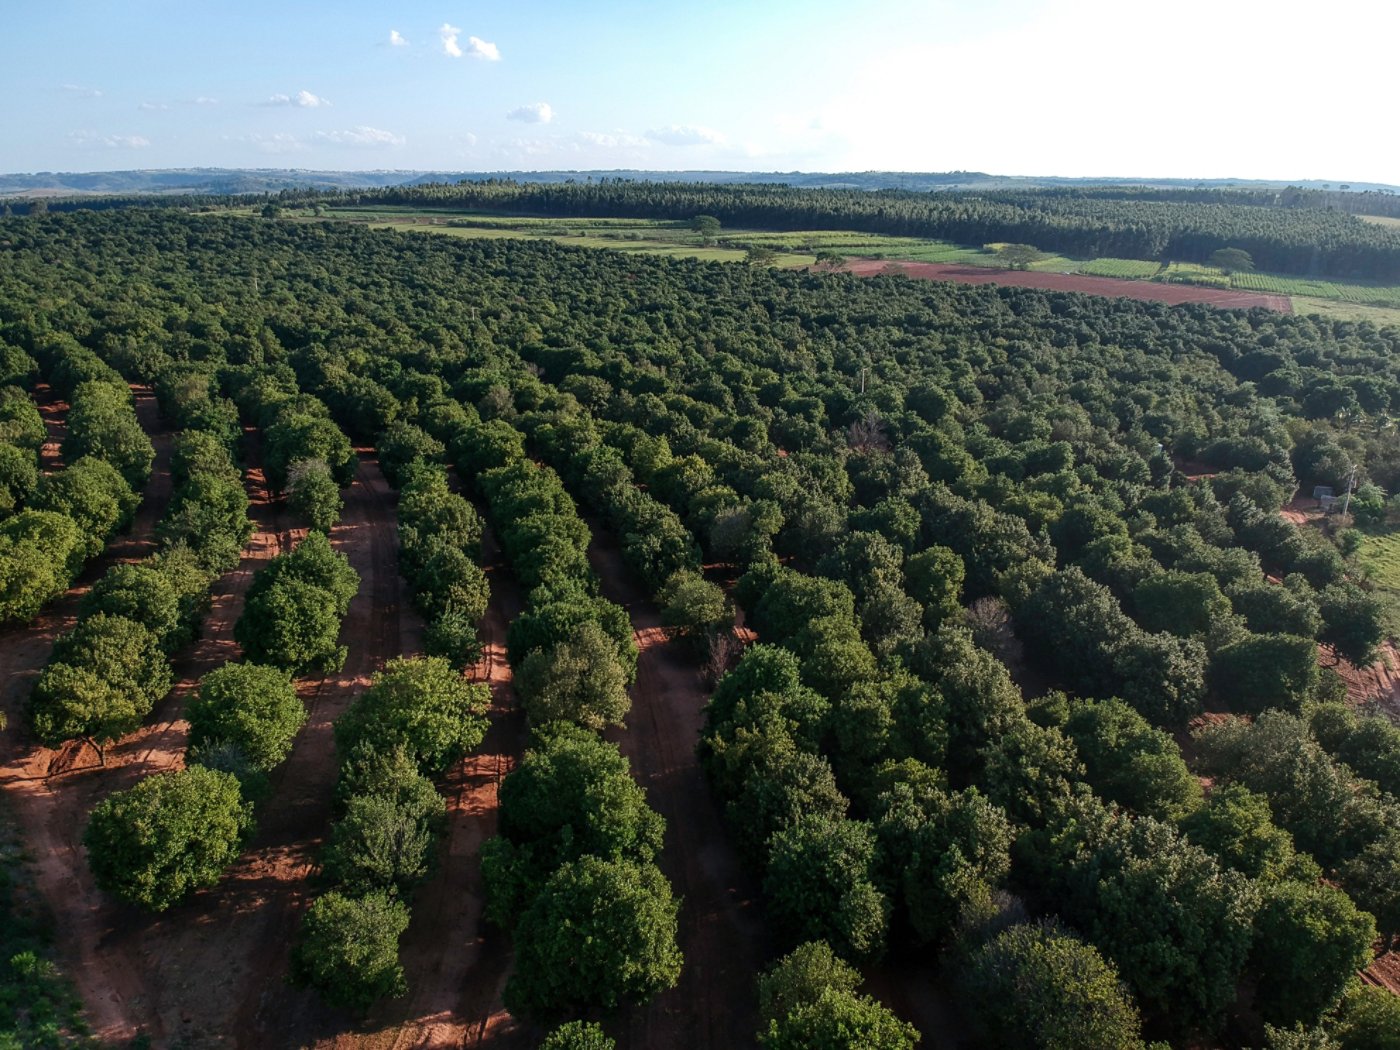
[572,872]
[417,718]
[71,513]
[105,676]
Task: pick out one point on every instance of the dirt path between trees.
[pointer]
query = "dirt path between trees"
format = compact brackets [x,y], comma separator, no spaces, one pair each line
[721,930]
[455,963]
[210,971]
[51,813]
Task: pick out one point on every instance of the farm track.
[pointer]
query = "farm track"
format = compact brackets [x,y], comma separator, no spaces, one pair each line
[456,964]
[721,931]
[1118,288]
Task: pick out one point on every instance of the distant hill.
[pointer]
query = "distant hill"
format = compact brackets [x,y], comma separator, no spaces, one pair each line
[271,180]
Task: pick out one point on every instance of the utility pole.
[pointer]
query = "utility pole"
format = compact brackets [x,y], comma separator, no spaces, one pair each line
[1351,484]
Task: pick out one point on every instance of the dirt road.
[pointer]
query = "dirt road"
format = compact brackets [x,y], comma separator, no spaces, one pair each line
[456,964]
[721,931]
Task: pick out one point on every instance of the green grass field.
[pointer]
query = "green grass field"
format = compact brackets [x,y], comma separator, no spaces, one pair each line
[1379,555]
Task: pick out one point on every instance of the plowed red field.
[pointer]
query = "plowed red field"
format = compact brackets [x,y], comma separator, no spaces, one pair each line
[1172,294]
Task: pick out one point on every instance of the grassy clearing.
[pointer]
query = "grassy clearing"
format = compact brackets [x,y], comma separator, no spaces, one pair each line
[1128,269]
[1380,316]
[677,249]
[1380,220]
[1379,555]
[38,1008]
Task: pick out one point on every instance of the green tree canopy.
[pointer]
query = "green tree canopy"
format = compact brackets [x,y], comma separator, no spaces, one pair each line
[578,680]
[170,834]
[349,949]
[599,933]
[250,706]
[1039,986]
[422,704]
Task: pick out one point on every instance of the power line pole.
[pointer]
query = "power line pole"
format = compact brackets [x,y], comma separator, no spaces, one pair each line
[1351,484]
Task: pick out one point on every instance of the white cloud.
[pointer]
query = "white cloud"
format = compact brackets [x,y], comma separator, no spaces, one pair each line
[97,140]
[534,113]
[302,100]
[478,48]
[396,39]
[685,135]
[448,34]
[361,135]
[78,91]
[205,100]
[153,107]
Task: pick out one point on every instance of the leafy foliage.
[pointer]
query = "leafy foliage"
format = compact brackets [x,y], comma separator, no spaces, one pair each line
[348,949]
[169,835]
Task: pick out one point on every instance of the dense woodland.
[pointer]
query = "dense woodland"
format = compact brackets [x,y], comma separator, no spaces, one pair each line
[990,605]
[1085,223]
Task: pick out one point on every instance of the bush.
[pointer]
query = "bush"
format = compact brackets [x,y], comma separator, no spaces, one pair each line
[313,494]
[808,1001]
[94,495]
[102,423]
[103,679]
[349,949]
[577,1035]
[821,885]
[1266,670]
[291,625]
[452,636]
[40,552]
[252,707]
[386,841]
[19,474]
[168,835]
[1309,941]
[694,608]
[571,795]
[143,594]
[209,514]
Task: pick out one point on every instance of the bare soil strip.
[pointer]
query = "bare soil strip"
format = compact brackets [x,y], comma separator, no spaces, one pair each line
[456,964]
[721,930]
[1172,294]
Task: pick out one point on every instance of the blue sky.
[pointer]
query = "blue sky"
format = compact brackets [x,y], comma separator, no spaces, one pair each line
[1194,88]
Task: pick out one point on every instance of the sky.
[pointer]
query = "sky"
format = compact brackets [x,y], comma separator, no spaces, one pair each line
[1189,89]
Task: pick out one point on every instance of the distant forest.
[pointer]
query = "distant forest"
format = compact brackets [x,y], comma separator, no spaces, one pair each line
[1283,232]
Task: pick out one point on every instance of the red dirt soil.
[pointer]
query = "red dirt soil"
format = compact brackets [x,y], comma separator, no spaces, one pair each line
[1172,294]
[50,812]
[208,972]
[721,931]
[455,963]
